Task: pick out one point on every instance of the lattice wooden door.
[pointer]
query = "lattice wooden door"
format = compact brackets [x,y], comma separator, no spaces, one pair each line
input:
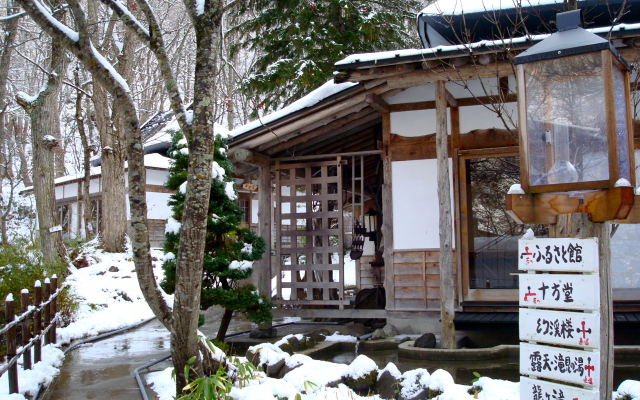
[309,233]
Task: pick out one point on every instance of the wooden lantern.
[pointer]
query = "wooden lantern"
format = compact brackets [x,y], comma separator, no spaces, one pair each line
[574,112]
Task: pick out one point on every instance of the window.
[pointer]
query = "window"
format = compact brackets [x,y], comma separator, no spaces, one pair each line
[489,236]
[96,217]
[64,219]
[246,211]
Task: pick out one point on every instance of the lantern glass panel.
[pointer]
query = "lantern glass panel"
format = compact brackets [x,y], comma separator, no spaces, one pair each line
[566,120]
[620,102]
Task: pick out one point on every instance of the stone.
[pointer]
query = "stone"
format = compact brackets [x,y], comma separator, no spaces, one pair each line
[253,357]
[426,341]
[364,383]
[356,329]
[286,347]
[263,333]
[319,335]
[388,386]
[390,331]
[274,370]
[295,343]
[113,268]
[378,334]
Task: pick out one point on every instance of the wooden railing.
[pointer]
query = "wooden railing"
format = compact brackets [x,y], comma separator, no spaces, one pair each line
[33,328]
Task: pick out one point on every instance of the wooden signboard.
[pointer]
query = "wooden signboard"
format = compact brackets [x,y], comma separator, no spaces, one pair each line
[533,389]
[568,365]
[563,255]
[573,292]
[560,327]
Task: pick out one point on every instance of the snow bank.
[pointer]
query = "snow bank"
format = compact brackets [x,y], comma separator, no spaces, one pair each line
[29,380]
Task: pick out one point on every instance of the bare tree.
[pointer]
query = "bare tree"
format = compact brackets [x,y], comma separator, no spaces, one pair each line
[41,110]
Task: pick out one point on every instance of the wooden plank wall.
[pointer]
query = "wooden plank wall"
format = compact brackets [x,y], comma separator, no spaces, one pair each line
[366,272]
[417,280]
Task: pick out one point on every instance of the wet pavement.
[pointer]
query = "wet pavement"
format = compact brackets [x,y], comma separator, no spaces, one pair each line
[104,369]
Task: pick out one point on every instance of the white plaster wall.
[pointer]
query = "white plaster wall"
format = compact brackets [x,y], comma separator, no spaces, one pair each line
[415,204]
[157,207]
[155,177]
[479,117]
[95,186]
[414,95]
[414,123]
[254,211]
[74,228]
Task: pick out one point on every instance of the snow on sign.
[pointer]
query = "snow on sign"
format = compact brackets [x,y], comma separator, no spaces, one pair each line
[531,389]
[573,292]
[567,365]
[564,255]
[560,327]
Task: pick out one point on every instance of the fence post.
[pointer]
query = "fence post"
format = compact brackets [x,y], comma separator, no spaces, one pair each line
[37,322]
[9,316]
[26,328]
[54,309]
[47,309]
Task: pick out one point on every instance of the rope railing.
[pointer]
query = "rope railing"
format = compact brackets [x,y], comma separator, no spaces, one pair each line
[33,328]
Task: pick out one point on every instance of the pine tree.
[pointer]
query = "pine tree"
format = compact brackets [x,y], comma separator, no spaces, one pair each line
[229,249]
[298,42]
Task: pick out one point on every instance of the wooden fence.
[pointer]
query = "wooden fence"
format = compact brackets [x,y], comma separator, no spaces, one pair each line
[33,328]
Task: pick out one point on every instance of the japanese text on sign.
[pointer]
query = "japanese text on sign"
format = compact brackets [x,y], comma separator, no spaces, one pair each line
[567,365]
[531,389]
[560,327]
[558,254]
[559,291]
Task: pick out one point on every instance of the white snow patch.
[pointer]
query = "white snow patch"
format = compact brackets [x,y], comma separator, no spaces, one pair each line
[337,337]
[184,151]
[241,265]
[163,383]
[217,172]
[229,190]
[183,187]
[43,372]
[328,89]
[393,370]
[169,256]
[622,183]
[440,380]
[516,188]
[49,138]
[172,226]
[632,388]
[112,71]
[529,234]
[361,367]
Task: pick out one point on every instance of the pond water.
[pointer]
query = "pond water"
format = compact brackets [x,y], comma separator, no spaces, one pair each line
[462,371]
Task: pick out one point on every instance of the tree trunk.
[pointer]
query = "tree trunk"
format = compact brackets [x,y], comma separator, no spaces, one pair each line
[86,166]
[189,263]
[112,157]
[225,321]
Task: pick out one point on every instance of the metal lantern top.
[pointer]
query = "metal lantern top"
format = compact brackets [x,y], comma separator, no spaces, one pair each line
[574,112]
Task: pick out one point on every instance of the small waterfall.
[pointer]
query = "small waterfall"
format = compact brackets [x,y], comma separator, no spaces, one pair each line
[357,344]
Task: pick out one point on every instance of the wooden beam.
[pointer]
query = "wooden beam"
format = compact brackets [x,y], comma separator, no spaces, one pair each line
[463,102]
[447,295]
[265,206]
[329,313]
[464,73]
[451,100]
[246,156]
[377,103]
[544,208]
[380,72]
[634,214]
[387,216]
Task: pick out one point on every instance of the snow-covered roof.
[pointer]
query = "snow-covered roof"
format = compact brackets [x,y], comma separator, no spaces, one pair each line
[163,135]
[457,7]
[153,160]
[386,57]
[322,93]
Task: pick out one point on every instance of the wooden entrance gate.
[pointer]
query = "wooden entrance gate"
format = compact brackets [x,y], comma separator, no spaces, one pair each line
[309,233]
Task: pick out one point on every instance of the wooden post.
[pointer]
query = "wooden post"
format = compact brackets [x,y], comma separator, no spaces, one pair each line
[37,322]
[580,226]
[447,312]
[9,316]
[387,218]
[26,328]
[54,310]
[47,309]
[264,228]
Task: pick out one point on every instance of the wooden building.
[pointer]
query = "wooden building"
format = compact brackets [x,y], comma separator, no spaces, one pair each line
[367,140]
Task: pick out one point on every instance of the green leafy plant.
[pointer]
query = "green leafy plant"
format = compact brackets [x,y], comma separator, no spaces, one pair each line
[215,387]
[246,371]
[475,389]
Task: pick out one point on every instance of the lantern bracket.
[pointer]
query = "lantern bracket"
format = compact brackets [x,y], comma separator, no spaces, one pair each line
[543,208]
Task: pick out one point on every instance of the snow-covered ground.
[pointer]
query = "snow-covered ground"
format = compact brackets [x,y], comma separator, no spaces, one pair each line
[111,299]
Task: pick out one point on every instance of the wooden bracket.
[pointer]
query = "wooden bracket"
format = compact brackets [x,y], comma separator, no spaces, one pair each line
[543,208]
[246,156]
[377,103]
